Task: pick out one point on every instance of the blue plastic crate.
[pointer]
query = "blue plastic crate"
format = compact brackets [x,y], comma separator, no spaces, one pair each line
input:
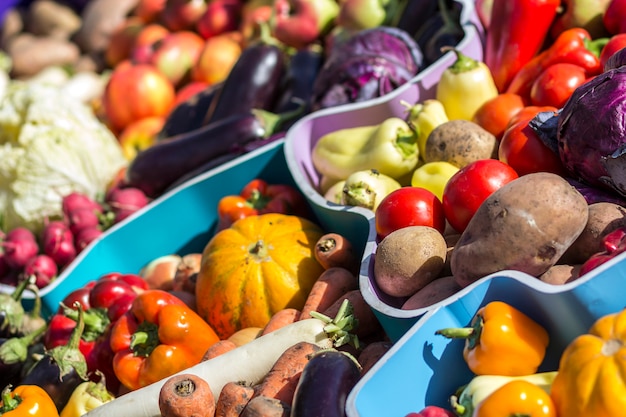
[182,221]
[423,368]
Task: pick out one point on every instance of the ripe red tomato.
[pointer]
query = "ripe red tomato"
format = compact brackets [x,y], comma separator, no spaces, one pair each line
[556,84]
[494,115]
[524,151]
[470,186]
[409,206]
[615,43]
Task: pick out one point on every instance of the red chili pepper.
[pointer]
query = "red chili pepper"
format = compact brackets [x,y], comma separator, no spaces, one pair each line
[104,301]
[573,46]
[614,243]
[516,33]
[259,197]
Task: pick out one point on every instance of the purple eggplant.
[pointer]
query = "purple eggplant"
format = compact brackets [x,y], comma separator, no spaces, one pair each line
[442,29]
[415,14]
[324,385]
[252,83]
[156,168]
[61,369]
[190,114]
[14,352]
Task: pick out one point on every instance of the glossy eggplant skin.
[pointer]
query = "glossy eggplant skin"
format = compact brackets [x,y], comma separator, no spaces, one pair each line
[10,370]
[47,375]
[190,114]
[441,29]
[253,82]
[154,169]
[324,385]
[304,65]
[415,14]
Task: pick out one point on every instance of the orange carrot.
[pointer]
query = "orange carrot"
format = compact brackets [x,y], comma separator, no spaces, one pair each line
[280,382]
[186,395]
[233,398]
[263,406]
[367,322]
[281,318]
[218,348]
[372,353]
[329,287]
[334,249]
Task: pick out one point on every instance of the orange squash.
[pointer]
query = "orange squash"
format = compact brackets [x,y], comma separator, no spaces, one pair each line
[256,267]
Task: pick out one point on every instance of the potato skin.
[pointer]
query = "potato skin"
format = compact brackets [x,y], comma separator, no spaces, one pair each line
[408,259]
[434,292]
[604,218]
[526,226]
[460,142]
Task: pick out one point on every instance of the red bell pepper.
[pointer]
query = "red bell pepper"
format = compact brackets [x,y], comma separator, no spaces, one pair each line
[614,243]
[517,31]
[103,302]
[259,197]
[573,46]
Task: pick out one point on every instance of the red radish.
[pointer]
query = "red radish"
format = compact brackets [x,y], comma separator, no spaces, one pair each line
[58,242]
[77,200]
[82,218]
[43,267]
[20,244]
[86,236]
[126,201]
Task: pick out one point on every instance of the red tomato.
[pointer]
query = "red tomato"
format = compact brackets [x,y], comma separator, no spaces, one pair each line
[470,186]
[409,206]
[494,115]
[524,151]
[556,84]
[614,44]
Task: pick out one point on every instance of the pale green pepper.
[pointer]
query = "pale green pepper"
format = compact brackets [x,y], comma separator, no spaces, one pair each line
[367,189]
[434,176]
[86,397]
[424,117]
[465,86]
[480,387]
[389,147]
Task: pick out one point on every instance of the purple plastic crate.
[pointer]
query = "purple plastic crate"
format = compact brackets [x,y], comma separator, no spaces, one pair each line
[302,137]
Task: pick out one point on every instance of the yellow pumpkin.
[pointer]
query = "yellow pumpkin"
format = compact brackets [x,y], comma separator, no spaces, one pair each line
[591,376]
[258,266]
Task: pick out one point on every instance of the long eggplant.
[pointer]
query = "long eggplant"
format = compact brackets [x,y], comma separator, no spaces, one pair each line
[304,65]
[190,114]
[324,385]
[415,14]
[252,83]
[442,29]
[154,169]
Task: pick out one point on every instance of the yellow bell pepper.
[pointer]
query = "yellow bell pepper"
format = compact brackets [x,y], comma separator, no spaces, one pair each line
[86,397]
[465,86]
[501,341]
[592,371]
[27,400]
[517,398]
[389,147]
[465,400]
[424,117]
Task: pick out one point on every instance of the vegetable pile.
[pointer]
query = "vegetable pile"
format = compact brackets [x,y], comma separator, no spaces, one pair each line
[514,163]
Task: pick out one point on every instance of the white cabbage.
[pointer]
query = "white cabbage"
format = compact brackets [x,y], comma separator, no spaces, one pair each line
[50,145]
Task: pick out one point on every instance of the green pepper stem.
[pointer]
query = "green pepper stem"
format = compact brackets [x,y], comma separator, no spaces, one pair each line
[9,402]
[145,339]
[456,332]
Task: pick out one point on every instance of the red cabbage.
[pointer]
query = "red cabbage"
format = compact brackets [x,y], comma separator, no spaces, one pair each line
[369,64]
[591,131]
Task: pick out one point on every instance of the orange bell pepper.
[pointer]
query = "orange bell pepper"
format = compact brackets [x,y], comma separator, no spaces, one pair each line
[27,400]
[517,398]
[501,341]
[159,336]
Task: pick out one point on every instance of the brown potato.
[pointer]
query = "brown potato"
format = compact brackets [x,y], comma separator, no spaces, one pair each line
[52,18]
[561,274]
[526,225]
[31,54]
[99,19]
[604,218]
[434,292]
[460,142]
[408,259]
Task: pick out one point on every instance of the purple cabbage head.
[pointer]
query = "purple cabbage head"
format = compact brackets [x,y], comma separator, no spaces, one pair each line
[369,64]
[591,131]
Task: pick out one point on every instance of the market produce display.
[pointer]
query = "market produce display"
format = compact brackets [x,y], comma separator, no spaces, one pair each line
[505,160]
